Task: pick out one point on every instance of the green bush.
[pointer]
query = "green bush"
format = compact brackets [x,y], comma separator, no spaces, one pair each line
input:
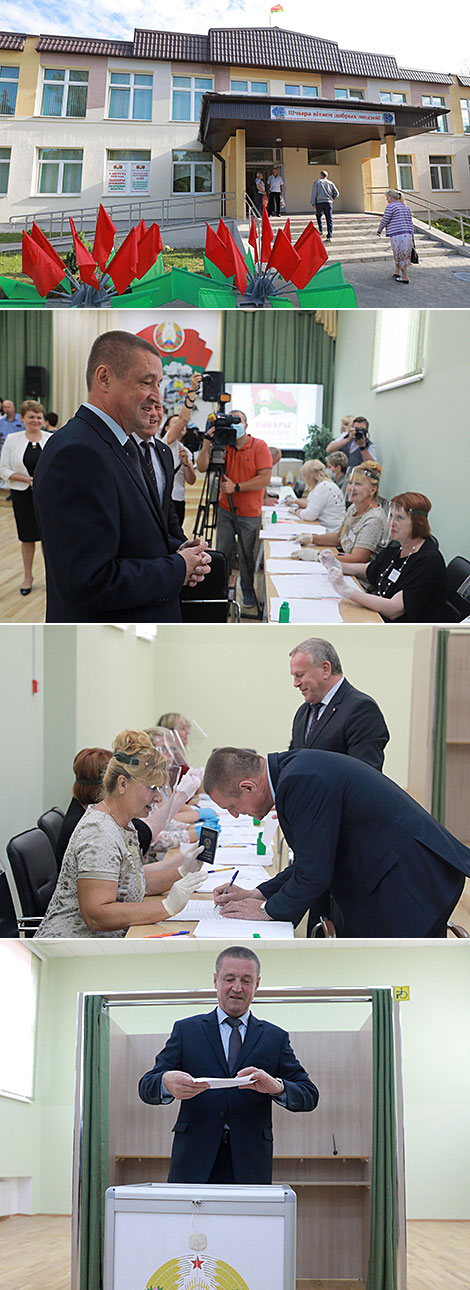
[316,443]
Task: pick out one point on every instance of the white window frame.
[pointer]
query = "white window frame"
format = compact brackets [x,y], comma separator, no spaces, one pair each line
[465,108]
[409,328]
[198,158]
[252,86]
[192,90]
[355,95]
[131,87]
[409,166]
[305,91]
[437,100]
[66,161]
[10,80]
[393,96]
[446,162]
[5,161]
[66,83]
[21,967]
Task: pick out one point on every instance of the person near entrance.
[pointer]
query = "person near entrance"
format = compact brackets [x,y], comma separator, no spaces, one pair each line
[248,468]
[260,192]
[324,193]
[225,1135]
[276,189]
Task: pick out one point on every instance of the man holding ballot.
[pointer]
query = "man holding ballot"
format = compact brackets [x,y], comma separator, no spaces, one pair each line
[223,1133]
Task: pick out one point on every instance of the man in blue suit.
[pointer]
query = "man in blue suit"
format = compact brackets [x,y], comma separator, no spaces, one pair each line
[225,1135]
[108,552]
[389,866]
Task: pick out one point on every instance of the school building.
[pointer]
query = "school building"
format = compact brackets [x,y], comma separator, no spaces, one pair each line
[179,117]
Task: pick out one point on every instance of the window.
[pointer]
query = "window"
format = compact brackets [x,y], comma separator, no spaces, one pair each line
[349,94]
[434,100]
[324,157]
[405,171]
[187,95]
[8,90]
[192,172]
[64,92]
[128,170]
[306,91]
[18,1012]
[130,96]
[60,170]
[465,110]
[441,172]
[5,154]
[398,348]
[248,87]
[389,96]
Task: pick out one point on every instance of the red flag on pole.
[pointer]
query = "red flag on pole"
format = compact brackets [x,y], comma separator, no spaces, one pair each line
[43,268]
[105,232]
[41,240]
[217,252]
[149,246]
[286,229]
[86,263]
[283,256]
[239,267]
[311,250]
[253,239]
[123,267]
[266,237]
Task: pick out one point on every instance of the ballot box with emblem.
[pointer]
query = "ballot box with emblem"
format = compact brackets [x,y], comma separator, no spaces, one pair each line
[162,1236]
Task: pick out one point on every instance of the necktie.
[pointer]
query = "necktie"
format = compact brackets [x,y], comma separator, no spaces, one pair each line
[148,467]
[133,452]
[234,1044]
[312,718]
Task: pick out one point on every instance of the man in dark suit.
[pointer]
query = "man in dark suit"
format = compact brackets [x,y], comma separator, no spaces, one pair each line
[225,1135]
[334,715]
[390,867]
[108,553]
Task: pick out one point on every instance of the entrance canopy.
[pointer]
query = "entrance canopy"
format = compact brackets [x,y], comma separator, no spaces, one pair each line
[320,123]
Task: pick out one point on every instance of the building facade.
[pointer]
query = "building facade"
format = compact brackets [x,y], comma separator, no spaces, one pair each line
[90,120]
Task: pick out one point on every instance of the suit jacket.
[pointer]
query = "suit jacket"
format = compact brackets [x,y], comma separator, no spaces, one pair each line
[390,867]
[165,457]
[195,1046]
[108,553]
[351,723]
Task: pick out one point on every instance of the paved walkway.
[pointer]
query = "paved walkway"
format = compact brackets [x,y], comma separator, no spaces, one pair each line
[433,284]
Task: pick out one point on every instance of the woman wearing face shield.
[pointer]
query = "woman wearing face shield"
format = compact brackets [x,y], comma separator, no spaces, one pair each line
[103,880]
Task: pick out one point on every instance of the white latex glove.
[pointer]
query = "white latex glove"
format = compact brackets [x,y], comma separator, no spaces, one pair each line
[330,561]
[291,500]
[339,583]
[189,784]
[190,851]
[306,553]
[181,891]
[304,539]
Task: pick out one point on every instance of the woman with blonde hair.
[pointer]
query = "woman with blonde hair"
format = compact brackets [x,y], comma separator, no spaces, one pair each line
[397,221]
[364,528]
[103,881]
[18,461]
[325,502]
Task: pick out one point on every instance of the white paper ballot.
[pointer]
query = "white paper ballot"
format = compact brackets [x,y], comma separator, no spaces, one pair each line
[300,586]
[288,528]
[196,909]
[244,930]
[289,566]
[238,857]
[281,550]
[248,877]
[271,824]
[238,1082]
[307,611]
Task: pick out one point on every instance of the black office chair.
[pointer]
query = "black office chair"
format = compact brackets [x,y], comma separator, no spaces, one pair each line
[8,922]
[213,600]
[51,823]
[458,589]
[34,869]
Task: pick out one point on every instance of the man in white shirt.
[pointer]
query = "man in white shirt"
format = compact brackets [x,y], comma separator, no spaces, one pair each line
[276,188]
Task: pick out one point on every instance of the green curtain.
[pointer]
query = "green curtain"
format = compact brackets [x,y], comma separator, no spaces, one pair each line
[438,807]
[382,1271]
[25,340]
[289,346]
[95,1142]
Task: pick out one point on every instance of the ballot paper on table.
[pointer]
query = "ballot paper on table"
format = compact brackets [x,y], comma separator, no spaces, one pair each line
[240,857]
[239,1081]
[248,877]
[282,550]
[303,586]
[245,929]
[307,611]
[311,567]
[288,529]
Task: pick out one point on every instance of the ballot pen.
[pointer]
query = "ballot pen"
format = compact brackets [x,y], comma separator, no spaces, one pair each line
[235,875]
[157,936]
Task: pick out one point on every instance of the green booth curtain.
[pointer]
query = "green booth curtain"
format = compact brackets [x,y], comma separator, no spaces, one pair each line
[95,1142]
[270,347]
[438,806]
[382,1270]
[25,341]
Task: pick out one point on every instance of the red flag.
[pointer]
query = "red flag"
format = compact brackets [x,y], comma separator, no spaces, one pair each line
[123,267]
[86,263]
[104,238]
[149,246]
[283,256]
[218,253]
[311,250]
[266,237]
[40,266]
[41,240]
[286,229]
[253,239]
[239,267]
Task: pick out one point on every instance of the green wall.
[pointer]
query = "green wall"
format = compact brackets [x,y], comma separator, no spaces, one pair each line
[420,430]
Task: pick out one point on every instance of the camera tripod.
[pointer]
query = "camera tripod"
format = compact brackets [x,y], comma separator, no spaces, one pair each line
[205,524]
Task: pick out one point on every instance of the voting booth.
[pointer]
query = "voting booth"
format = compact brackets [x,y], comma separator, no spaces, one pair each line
[181,1235]
[344,1162]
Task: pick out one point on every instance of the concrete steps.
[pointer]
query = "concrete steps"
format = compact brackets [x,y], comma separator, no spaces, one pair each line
[355,239]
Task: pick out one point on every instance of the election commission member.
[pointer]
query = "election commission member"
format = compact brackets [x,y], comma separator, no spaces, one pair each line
[334,715]
[108,552]
[225,1135]
[248,469]
[390,867]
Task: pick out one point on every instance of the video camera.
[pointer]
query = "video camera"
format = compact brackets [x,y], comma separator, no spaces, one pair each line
[225,434]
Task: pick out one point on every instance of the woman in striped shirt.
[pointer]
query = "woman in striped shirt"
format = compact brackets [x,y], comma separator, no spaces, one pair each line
[398,222]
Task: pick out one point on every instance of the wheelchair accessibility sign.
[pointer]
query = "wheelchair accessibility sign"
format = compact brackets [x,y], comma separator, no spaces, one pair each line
[401,993]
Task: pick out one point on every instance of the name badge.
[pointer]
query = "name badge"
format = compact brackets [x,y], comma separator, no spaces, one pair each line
[394,575]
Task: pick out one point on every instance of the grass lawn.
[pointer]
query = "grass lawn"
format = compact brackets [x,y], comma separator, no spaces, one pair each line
[10,263]
[452,227]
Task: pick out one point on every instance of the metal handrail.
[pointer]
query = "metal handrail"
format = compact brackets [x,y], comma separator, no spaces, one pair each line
[250,207]
[423,204]
[166,211]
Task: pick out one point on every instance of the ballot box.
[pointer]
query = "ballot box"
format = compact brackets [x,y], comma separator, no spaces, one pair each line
[162,1236]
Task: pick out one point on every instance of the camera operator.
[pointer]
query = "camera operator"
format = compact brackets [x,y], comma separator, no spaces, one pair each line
[356,444]
[248,467]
